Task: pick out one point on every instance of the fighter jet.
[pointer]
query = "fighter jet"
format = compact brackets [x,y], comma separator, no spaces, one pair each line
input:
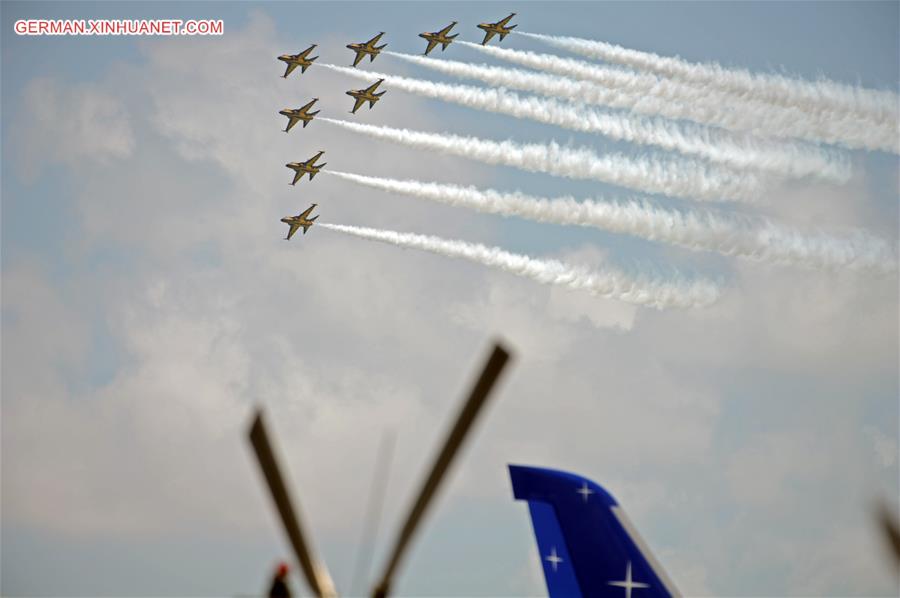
[498,28]
[366,95]
[299,220]
[367,48]
[309,167]
[295,114]
[295,60]
[439,37]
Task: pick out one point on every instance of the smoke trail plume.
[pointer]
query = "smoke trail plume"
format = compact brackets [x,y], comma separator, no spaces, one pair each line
[681,179]
[879,106]
[646,94]
[756,239]
[607,283]
[720,147]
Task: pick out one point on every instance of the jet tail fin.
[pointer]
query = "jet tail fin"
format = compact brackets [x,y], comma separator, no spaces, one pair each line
[309,224]
[503,35]
[587,545]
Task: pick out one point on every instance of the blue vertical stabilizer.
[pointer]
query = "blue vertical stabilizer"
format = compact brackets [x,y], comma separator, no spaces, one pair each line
[587,545]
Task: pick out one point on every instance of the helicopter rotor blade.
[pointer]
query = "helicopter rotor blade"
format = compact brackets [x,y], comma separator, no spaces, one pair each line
[890,526]
[374,508]
[477,397]
[316,574]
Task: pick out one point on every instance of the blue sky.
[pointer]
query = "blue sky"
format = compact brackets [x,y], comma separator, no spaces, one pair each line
[149,302]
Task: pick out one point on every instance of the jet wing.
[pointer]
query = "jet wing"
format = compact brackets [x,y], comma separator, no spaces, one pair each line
[305,214]
[503,22]
[312,161]
[371,43]
[446,29]
[290,69]
[294,227]
[371,88]
[359,102]
[488,34]
[360,54]
[291,122]
[431,44]
[588,547]
[298,174]
[306,52]
[308,106]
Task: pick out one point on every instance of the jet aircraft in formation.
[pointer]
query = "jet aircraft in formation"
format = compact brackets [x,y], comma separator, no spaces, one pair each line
[300,220]
[297,114]
[366,95]
[295,60]
[361,96]
[439,37]
[368,47]
[309,167]
[498,28]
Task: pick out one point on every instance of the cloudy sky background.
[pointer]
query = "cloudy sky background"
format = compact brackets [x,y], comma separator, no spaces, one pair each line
[149,302]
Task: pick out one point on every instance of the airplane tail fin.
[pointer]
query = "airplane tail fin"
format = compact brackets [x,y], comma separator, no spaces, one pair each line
[503,35]
[587,545]
[313,173]
[309,224]
[381,47]
[454,36]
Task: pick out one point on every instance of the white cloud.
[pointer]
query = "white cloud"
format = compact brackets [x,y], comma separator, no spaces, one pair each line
[341,339]
[884,447]
[72,125]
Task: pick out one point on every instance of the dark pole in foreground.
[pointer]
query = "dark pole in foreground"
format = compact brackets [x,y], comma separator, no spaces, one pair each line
[316,575]
[476,400]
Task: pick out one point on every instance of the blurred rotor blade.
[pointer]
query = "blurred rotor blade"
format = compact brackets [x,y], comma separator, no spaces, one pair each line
[887,520]
[373,512]
[316,574]
[477,397]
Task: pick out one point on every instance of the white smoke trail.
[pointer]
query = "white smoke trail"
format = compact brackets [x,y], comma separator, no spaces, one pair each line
[719,147]
[681,178]
[608,283]
[880,106]
[756,239]
[646,94]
